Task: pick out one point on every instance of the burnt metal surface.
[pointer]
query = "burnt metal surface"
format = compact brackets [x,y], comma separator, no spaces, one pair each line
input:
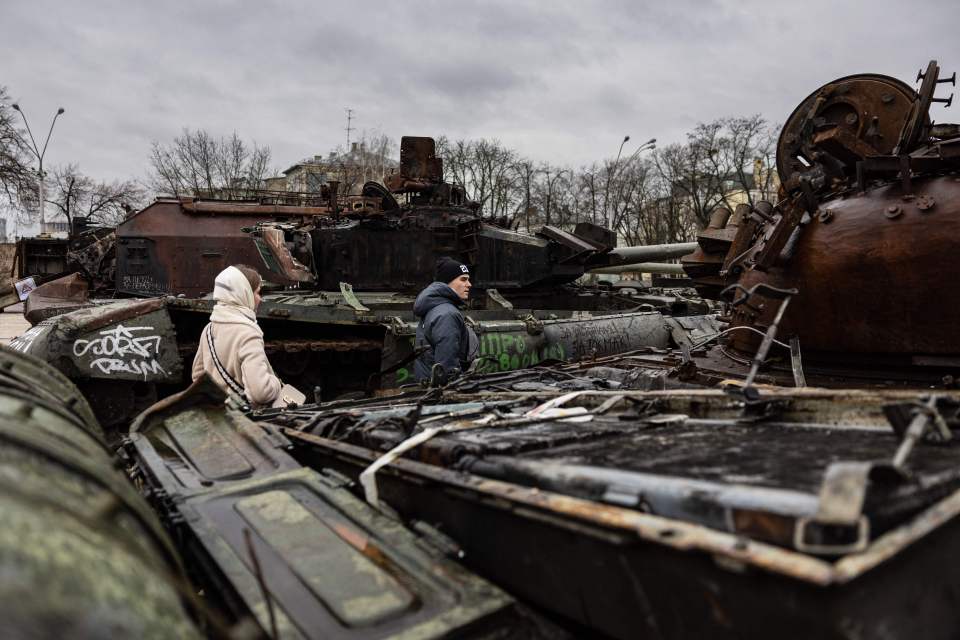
[179,246]
[127,341]
[864,111]
[41,257]
[93,253]
[695,510]
[863,229]
[579,465]
[292,546]
[320,343]
[89,251]
[118,354]
[386,239]
[57,297]
[395,248]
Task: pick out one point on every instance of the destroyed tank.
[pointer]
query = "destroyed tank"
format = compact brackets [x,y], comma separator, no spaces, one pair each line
[841,282]
[849,265]
[417,218]
[616,512]
[746,511]
[343,274]
[387,239]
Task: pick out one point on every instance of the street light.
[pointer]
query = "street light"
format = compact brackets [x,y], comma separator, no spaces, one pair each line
[646,146]
[626,139]
[606,189]
[39,153]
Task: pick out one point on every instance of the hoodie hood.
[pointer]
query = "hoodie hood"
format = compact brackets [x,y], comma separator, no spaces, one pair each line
[433,296]
[234,297]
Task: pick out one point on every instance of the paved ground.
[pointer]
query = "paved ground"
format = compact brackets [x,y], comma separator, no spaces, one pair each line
[12,324]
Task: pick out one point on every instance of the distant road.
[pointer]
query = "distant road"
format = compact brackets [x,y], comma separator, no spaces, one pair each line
[12,324]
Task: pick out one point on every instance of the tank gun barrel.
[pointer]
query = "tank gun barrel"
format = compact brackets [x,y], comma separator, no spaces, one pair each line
[643,267]
[648,253]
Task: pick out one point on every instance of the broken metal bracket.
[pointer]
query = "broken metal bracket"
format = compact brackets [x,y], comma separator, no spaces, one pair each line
[796,364]
[840,526]
[808,529]
[913,422]
[750,392]
[494,295]
[533,324]
[346,289]
[397,326]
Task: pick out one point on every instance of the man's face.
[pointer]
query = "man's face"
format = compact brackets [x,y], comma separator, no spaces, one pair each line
[461,285]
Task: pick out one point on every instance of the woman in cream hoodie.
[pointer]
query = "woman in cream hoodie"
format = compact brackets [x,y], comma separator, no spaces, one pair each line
[233,331]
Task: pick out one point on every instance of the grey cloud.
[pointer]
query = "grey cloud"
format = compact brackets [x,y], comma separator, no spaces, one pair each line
[560,81]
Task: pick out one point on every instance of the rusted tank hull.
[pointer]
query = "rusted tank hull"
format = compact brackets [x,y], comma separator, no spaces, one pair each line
[858,247]
[596,571]
[179,247]
[616,564]
[881,254]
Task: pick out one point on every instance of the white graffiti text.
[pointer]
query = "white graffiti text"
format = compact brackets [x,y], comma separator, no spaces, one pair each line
[119,350]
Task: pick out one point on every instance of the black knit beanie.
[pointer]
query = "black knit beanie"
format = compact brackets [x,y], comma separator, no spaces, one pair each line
[449,269]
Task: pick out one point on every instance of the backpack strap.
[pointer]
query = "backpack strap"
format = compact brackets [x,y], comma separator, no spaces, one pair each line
[235,386]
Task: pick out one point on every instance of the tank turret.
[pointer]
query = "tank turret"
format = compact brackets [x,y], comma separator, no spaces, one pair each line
[864,231]
[420,218]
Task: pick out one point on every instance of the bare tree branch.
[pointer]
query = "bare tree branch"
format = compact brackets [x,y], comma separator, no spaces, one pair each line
[198,164]
[14,160]
[74,194]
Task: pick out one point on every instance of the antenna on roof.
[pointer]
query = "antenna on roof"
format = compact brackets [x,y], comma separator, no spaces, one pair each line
[349,128]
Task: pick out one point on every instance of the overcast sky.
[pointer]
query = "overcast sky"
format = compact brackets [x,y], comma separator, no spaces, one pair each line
[558,81]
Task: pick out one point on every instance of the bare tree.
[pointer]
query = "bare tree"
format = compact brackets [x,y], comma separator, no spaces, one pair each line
[690,173]
[14,163]
[745,157]
[556,195]
[107,203]
[196,163]
[653,199]
[489,172]
[525,173]
[589,192]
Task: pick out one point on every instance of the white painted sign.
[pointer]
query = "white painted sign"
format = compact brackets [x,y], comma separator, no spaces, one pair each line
[24,287]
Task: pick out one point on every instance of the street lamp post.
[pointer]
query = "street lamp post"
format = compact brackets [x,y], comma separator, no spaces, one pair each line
[39,153]
[646,146]
[606,189]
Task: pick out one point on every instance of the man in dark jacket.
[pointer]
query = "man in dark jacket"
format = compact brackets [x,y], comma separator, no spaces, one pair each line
[442,328]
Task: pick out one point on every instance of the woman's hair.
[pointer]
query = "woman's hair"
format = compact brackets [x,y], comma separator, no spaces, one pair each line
[251,275]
